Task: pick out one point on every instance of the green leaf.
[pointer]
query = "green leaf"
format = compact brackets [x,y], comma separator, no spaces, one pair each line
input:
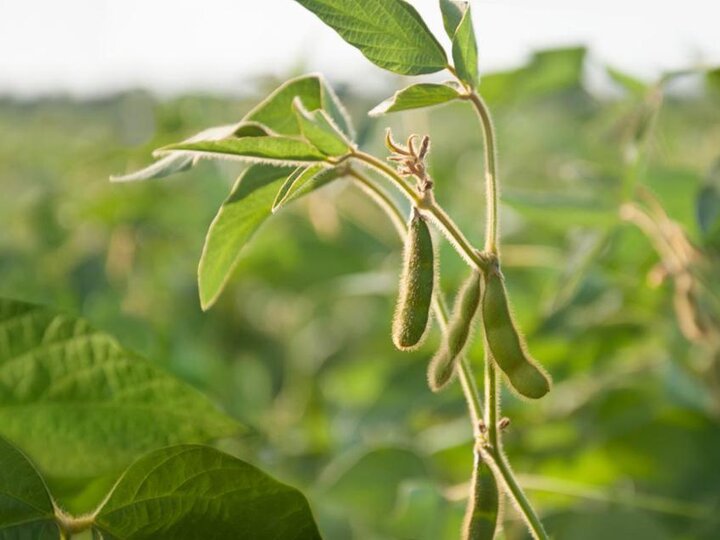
[175,163]
[247,207]
[712,79]
[415,97]
[549,72]
[277,113]
[250,203]
[630,84]
[452,13]
[566,210]
[390,33]
[26,508]
[370,485]
[99,405]
[457,19]
[269,149]
[303,181]
[190,492]
[272,116]
[320,131]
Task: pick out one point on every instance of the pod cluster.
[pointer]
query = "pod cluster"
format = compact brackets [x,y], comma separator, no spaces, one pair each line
[483,293]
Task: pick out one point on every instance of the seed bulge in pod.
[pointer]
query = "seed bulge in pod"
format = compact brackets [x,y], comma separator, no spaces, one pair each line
[506,344]
[483,508]
[412,313]
[460,329]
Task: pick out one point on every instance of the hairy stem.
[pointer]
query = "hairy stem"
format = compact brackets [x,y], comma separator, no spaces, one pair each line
[492,388]
[491,177]
[429,207]
[467,380]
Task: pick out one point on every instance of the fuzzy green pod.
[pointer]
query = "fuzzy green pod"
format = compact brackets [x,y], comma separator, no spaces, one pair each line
[506,344]
[483,508]
[460,328]
[412,313]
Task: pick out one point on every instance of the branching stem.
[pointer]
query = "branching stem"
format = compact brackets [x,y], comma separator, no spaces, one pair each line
[494,451]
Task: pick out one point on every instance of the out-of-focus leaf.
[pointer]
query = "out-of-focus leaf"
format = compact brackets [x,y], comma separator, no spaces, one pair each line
[320,131]
[713,81]
[708,209]
[549,71]
[558,211]
[677,189]
[369,486]
[416,96]
[390,33]
[630,84]
[247,207]
[190,492]
[26,508]
[457,19]
[80,405]
[303,181]
[270,150]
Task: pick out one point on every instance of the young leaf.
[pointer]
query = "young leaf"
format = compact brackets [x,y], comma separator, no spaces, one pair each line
[276,111]
[272,150]
[452,13]
[26,508]
[175,163]
[390,33]
[100,405]
[416,96]
[303,181]
[320,131]
[190,492]
[458,25]
[272,116]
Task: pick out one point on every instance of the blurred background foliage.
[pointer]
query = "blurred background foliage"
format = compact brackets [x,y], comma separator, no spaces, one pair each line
[628,442]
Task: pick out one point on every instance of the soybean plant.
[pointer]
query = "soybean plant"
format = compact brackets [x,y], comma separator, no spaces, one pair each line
[300,138]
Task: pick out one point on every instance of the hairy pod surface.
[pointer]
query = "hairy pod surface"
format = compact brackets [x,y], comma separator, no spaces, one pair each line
[506,344]
[417,280]
[483,508]
[460,329]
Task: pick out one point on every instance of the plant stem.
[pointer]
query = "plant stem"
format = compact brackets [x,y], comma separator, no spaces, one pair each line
[467,380]
[431,208]
[491,177]
[492,402]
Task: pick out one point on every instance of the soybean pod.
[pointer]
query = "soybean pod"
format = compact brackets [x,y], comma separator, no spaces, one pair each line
[483,509]
[417,280]
[460,328]
[506,344]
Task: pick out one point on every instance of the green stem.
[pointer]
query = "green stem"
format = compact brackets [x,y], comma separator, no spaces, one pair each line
[467,381]
[491,177]
[492,388]
[431,208]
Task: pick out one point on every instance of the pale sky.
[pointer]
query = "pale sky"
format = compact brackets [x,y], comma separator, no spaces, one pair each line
[91,47]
